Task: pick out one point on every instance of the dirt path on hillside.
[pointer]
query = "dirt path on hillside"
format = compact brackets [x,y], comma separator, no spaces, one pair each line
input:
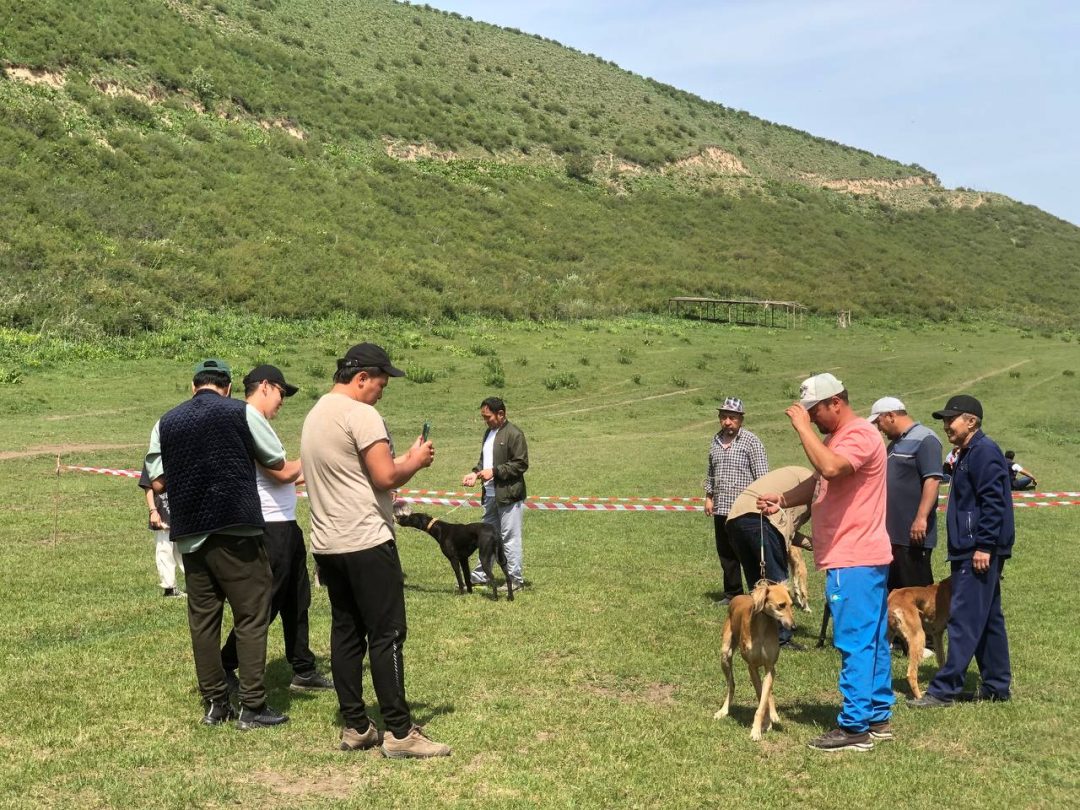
[62,449]
[965,383]
[680,392]
[62,417]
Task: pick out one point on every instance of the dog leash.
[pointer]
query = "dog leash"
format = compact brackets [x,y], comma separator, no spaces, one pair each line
[761,526]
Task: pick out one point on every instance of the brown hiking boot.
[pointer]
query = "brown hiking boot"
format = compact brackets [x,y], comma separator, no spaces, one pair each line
[353,740]
[416,745]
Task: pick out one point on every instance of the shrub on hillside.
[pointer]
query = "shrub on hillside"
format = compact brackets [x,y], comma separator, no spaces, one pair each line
[566,379]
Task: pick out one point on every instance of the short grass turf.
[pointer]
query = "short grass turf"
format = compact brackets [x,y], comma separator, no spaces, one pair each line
[597,686]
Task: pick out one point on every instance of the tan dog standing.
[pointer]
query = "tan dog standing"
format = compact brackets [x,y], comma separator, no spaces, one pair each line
[797,571]
[751,627]
[915,613]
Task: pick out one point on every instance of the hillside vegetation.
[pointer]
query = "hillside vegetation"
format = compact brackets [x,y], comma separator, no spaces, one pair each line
[297,158]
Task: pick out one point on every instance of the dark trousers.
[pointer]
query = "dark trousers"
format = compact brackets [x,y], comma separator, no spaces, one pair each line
[234,570]
[976,629]
[367,607]
[910,567]
[290,596]
[745,533]
[729,563]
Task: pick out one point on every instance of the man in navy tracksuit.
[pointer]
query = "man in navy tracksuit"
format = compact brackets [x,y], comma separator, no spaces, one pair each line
[981,534]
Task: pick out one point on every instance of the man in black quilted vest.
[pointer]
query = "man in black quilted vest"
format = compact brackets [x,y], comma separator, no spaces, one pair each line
[205,450]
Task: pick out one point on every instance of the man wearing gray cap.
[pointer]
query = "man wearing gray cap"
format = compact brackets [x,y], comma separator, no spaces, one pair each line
[914,478]
[981,531]
[736,459]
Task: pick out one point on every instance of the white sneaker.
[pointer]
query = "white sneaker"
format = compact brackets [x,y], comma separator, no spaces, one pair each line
[927,653]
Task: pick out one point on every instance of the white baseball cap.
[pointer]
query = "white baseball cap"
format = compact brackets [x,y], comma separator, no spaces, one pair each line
[819,387]
[885,405]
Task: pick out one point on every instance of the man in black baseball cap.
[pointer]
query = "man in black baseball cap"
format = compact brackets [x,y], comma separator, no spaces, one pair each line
[981,534]
[961,403]
[265,389]
[369,356]
[269,374]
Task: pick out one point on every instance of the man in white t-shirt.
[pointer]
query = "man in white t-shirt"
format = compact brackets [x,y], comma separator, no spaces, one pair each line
[265,390]
[351,473]
[504,460]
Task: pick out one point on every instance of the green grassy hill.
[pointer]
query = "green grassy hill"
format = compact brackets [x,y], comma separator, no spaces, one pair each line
[294,158]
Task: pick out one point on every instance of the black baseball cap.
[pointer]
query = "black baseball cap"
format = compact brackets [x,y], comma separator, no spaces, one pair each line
[368,355]
[961,403]
[272,374]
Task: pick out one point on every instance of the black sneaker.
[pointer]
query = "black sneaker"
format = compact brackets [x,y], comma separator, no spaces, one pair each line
[979,697]
[263,717]
[840,740]
[311,683]
[792,646]
[173,593]
[218,712]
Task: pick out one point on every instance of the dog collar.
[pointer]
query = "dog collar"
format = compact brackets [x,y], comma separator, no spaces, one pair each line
[433,522]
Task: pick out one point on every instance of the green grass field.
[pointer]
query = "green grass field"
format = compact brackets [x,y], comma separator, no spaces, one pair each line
[595,688]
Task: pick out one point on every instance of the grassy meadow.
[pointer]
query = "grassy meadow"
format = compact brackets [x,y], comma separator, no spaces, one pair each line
[164,154]
[596,687]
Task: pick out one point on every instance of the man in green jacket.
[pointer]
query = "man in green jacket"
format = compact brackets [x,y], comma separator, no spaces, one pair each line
[504,458]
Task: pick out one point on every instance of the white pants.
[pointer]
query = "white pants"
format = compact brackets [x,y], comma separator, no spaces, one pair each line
[168,559]
[506,520]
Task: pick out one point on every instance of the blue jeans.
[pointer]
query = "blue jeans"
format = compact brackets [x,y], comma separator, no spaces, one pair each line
[506,520]
[858,600]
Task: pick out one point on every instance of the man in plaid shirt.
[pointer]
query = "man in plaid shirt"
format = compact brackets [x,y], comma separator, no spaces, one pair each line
[736,459]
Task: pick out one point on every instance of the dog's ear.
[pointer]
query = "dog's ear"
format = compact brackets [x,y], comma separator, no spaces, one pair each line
[759,595]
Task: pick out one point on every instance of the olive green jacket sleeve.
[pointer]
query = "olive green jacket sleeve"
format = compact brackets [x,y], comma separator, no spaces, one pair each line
[510,460]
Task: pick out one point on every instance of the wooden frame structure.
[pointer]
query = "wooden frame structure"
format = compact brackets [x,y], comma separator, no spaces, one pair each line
[787,314]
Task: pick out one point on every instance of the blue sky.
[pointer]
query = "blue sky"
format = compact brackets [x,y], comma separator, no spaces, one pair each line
[985,94]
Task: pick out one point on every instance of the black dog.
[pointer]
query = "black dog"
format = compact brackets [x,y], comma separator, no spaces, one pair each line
[458,541]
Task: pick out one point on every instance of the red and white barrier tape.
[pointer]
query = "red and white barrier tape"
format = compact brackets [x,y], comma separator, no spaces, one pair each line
[565,506]
[588,503]
[568,498]
[103,471]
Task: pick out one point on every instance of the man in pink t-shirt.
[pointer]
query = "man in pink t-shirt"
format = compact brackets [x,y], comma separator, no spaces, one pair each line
[852,545]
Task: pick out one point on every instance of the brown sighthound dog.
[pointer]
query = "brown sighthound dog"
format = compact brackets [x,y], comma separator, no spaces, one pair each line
[751,627]
[914,614]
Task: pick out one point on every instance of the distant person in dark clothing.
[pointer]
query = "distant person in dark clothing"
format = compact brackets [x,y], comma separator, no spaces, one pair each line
[205,451]
[1019,478]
